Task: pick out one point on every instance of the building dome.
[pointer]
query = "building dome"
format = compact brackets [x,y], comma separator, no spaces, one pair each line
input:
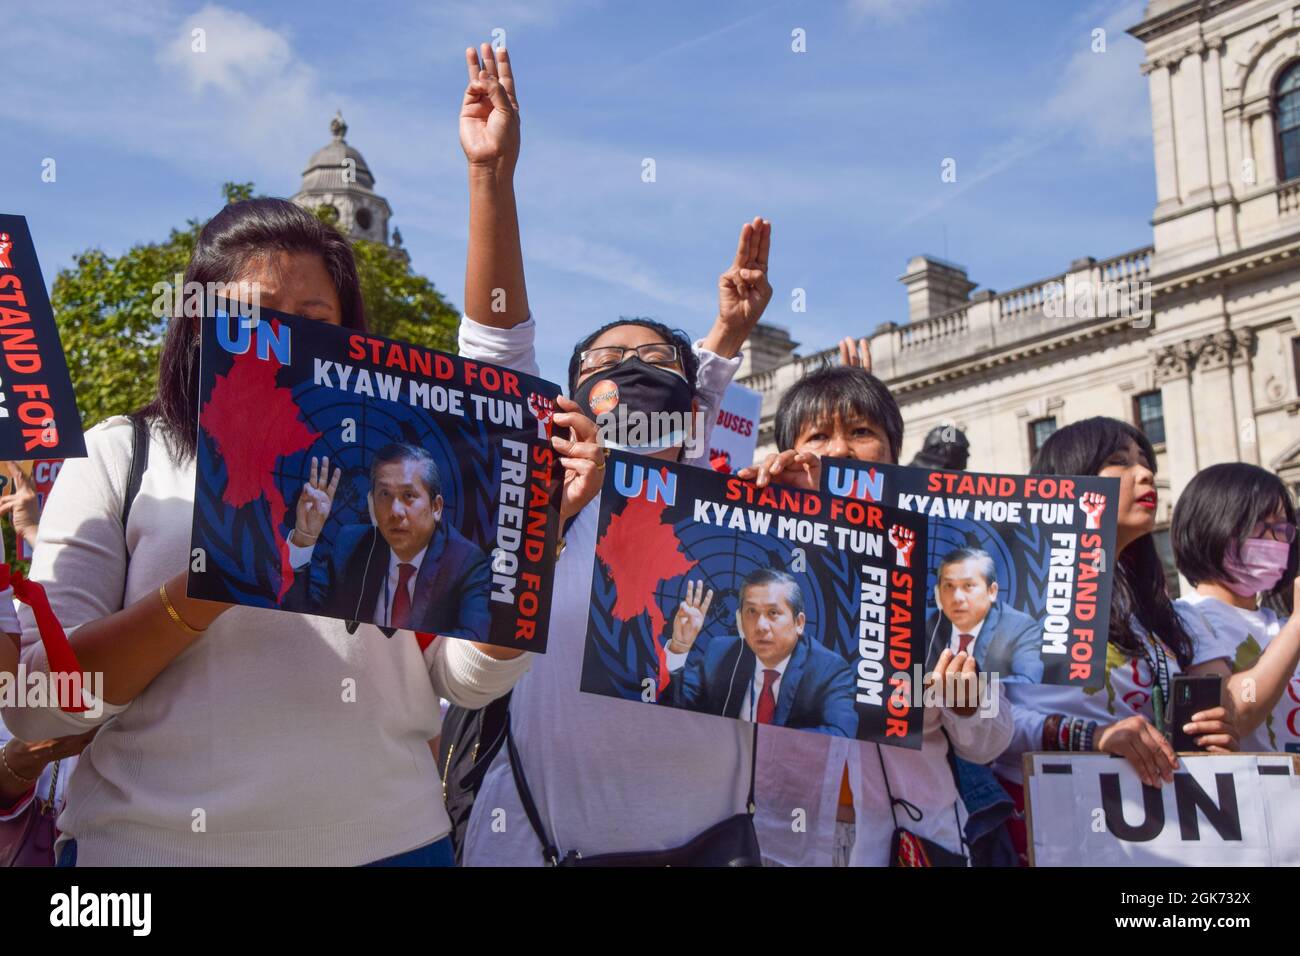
[337,177]
[327,166]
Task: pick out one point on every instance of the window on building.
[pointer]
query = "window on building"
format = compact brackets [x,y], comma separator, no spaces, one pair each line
[1287,117]
[1039,430]
[1149,410]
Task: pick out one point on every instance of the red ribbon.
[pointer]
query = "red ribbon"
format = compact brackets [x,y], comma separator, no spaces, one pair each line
[58,652]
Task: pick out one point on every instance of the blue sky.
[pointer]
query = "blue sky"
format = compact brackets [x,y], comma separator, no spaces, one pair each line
[841,146]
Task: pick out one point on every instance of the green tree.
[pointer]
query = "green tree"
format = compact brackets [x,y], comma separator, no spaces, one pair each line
[105,312]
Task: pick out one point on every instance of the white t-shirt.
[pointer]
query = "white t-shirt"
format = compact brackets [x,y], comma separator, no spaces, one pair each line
[1223,631]
[607,775]
[1128,689]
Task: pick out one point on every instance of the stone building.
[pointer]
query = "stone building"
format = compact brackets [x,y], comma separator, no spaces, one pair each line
[337,176]
[1195,338]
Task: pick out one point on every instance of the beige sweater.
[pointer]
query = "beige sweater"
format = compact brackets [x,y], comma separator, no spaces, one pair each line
[248,749]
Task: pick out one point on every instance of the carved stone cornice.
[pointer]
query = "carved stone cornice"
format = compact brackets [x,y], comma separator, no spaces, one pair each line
[1221,349]
[1174,361]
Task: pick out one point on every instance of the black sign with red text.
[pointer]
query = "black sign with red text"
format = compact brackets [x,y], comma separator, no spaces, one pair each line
[1018,567]
[38,410]
[771,605]
[351,476]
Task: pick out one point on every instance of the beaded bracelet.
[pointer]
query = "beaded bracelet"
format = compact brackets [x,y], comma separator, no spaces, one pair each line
[1051,723]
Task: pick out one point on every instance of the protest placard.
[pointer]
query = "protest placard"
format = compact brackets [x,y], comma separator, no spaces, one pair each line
[735,433]
[1018,567]
[1221,810]
[356,477]
[38,410]
[772,604]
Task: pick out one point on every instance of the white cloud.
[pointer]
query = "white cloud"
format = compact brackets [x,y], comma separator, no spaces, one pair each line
[232,54]
[890,12]
[128,81]
[605,263]
[1102,97]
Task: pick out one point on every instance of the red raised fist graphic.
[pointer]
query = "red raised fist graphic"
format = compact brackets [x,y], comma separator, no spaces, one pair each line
[903,540]
[542,408]
[1093,504]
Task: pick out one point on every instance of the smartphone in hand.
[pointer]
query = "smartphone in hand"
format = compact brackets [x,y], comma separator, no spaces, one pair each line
[1191,695]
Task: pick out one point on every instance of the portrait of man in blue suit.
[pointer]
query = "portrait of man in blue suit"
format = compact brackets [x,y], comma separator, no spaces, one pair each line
[407,568]
[971,618]
[771,672]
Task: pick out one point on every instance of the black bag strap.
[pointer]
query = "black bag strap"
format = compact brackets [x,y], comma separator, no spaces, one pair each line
[550,852]
[750,805]
[139,462]
[911,809]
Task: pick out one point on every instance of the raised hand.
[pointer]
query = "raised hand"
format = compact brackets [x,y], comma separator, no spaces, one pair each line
[583,457]
[489,115]
[22,504]
[855,354]
[743,291]
[903,540]
[1093,504]
[690,617]
[315,502]
[798,469]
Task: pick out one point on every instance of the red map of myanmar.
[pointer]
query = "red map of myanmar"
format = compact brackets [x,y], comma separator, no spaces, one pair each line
[641,551]
[254,422]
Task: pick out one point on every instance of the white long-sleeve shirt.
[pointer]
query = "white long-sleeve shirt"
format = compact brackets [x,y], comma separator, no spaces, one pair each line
[607,775]
[275,738]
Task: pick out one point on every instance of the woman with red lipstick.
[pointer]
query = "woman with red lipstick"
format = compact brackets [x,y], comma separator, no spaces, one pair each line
[1234,537]
[1148,644]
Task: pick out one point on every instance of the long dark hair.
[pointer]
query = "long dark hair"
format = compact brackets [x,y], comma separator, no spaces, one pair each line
[224,248]
[1221,505]
[1139,589]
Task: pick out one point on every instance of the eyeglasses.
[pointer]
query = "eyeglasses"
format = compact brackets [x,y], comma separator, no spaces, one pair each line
[1283,531]
[607,356]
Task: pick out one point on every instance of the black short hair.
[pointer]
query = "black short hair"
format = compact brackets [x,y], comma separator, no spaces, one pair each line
[404,451]
[1139,591]
[1220,505]
[988,568]
[794,595]
[690,364]
[837,391]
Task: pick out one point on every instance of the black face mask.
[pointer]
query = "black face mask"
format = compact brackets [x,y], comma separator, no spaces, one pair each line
[637,386]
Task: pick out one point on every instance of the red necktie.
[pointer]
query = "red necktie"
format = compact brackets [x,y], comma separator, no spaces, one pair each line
[766,701]
[402,599]
[963,641]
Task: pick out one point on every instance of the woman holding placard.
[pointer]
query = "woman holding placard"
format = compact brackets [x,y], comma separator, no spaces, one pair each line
[1234,537]
[1147,646]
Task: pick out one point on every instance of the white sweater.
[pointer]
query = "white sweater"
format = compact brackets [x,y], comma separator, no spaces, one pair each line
[249,748]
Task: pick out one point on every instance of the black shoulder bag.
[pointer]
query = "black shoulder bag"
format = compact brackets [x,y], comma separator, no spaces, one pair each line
[733,842]
[469,740]
[908,849]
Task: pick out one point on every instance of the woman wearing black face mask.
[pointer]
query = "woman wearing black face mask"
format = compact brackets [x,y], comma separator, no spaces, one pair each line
[604,776]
